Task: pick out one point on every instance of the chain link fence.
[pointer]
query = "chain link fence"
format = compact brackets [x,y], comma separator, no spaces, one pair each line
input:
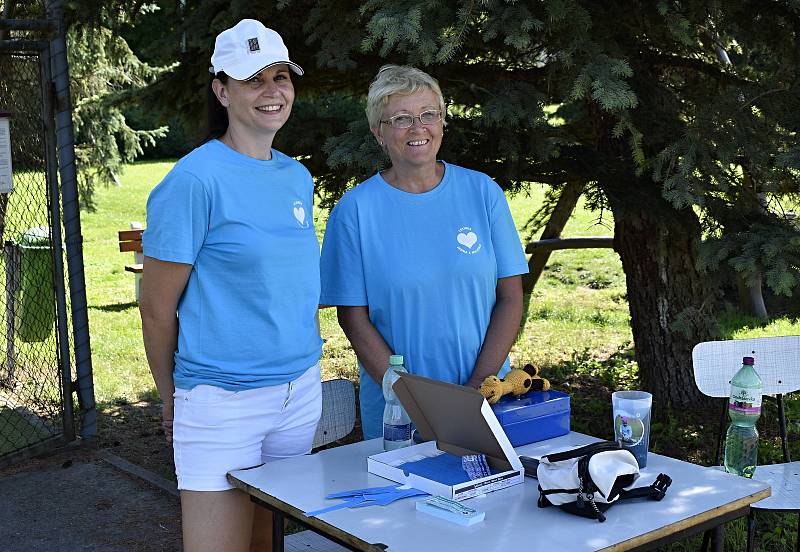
[36,353]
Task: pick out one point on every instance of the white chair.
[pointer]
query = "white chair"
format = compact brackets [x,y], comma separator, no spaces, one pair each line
[777,362]
[337,420]
[338,411]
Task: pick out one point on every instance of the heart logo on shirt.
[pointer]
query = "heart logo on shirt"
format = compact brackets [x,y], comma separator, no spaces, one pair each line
[300,215]
[467,240]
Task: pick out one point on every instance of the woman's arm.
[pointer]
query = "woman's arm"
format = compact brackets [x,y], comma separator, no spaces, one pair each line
[502,331]
[162,286]
[371,350]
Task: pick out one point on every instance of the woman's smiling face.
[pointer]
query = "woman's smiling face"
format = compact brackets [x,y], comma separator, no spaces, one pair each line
[417,145]
[261,104]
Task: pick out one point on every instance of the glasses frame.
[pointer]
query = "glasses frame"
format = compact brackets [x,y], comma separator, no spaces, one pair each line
[391,120]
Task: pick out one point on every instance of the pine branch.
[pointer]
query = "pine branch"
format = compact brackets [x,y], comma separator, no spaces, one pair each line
[660,59]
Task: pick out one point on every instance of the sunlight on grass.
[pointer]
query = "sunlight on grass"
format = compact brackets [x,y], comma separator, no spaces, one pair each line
[736,326]
[580,298]
[119,363]
[579,303]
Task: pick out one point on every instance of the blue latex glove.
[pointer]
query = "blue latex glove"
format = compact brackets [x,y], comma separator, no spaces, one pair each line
[373,496]
[363,492]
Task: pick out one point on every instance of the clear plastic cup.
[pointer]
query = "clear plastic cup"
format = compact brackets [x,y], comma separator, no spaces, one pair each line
[631,410]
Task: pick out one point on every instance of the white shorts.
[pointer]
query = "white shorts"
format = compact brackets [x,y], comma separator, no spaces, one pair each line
[216,431]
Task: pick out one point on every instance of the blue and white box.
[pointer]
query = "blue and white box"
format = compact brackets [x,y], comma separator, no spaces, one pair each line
[451,419]
[534,416]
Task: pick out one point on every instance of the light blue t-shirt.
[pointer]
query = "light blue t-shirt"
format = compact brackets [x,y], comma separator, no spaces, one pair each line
[247,315]
[427,266]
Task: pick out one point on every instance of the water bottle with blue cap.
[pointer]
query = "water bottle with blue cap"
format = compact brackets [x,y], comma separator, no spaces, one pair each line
[396,423]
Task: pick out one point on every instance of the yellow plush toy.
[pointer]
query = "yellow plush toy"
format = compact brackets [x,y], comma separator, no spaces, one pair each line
[516,382]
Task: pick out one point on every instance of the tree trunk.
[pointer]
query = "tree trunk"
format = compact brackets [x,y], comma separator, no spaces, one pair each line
[658,248]
[751,298]
[558,220]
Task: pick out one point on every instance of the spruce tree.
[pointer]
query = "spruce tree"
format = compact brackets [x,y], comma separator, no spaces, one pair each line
[106,77]
[681,118]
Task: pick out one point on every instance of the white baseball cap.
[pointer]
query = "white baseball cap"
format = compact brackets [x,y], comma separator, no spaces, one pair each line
[248,48]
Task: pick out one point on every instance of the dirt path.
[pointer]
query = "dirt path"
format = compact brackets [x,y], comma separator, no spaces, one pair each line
[75,500]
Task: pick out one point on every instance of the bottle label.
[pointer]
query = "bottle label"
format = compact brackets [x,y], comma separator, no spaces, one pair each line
[744,400]
[393,432]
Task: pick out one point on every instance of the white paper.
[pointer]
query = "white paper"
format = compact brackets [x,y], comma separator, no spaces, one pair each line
[6,181]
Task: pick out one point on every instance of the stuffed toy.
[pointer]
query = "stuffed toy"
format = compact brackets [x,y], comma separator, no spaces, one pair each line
[516,382]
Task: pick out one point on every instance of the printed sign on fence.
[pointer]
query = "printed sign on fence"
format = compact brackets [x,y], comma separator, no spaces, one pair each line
[6,181]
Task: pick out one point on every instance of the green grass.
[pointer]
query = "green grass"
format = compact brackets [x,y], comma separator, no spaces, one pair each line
[577,319]
[18,431]
[579,299]
[576,328]
[118,359]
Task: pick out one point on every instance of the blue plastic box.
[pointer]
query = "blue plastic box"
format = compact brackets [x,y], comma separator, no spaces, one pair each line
[534,416]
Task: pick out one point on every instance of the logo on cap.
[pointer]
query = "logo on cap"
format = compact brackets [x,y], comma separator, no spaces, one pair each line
[252,45]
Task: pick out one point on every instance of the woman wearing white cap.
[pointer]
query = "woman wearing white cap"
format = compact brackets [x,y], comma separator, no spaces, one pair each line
[231,251]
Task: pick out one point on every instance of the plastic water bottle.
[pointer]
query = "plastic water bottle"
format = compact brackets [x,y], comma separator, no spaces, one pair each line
[396,423]
[744,408]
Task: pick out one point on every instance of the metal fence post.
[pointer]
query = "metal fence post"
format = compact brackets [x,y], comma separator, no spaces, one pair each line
[12,273]
[72,223]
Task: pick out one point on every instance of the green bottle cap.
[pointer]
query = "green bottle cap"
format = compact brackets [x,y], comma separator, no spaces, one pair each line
[396,360]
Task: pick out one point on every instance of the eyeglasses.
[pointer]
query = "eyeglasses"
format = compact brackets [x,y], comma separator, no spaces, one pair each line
[406,120]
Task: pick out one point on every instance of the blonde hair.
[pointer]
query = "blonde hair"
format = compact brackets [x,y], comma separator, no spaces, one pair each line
[398,79]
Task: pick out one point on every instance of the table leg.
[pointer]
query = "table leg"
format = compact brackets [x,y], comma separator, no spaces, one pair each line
[277,531]
[797,542]
[718,538]
[706,540]
[751,531]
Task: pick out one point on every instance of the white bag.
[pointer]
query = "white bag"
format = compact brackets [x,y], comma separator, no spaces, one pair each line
[585,481]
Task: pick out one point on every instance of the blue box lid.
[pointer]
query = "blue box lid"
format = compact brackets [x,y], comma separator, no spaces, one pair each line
[510,409]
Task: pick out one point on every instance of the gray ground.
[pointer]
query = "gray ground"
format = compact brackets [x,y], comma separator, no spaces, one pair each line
[76,500]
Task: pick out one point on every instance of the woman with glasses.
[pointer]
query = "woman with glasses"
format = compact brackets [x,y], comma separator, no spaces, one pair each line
[423,258]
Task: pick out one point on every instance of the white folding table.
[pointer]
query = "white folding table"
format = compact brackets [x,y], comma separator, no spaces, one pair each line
[699,498]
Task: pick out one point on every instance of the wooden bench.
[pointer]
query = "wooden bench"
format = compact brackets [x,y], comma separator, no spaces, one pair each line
[131,240]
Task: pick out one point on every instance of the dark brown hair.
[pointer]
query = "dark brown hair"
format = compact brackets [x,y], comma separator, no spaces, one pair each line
[216,113]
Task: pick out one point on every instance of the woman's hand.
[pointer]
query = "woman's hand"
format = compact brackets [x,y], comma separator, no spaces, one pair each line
[369,345]
[167,415]
[502,331]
